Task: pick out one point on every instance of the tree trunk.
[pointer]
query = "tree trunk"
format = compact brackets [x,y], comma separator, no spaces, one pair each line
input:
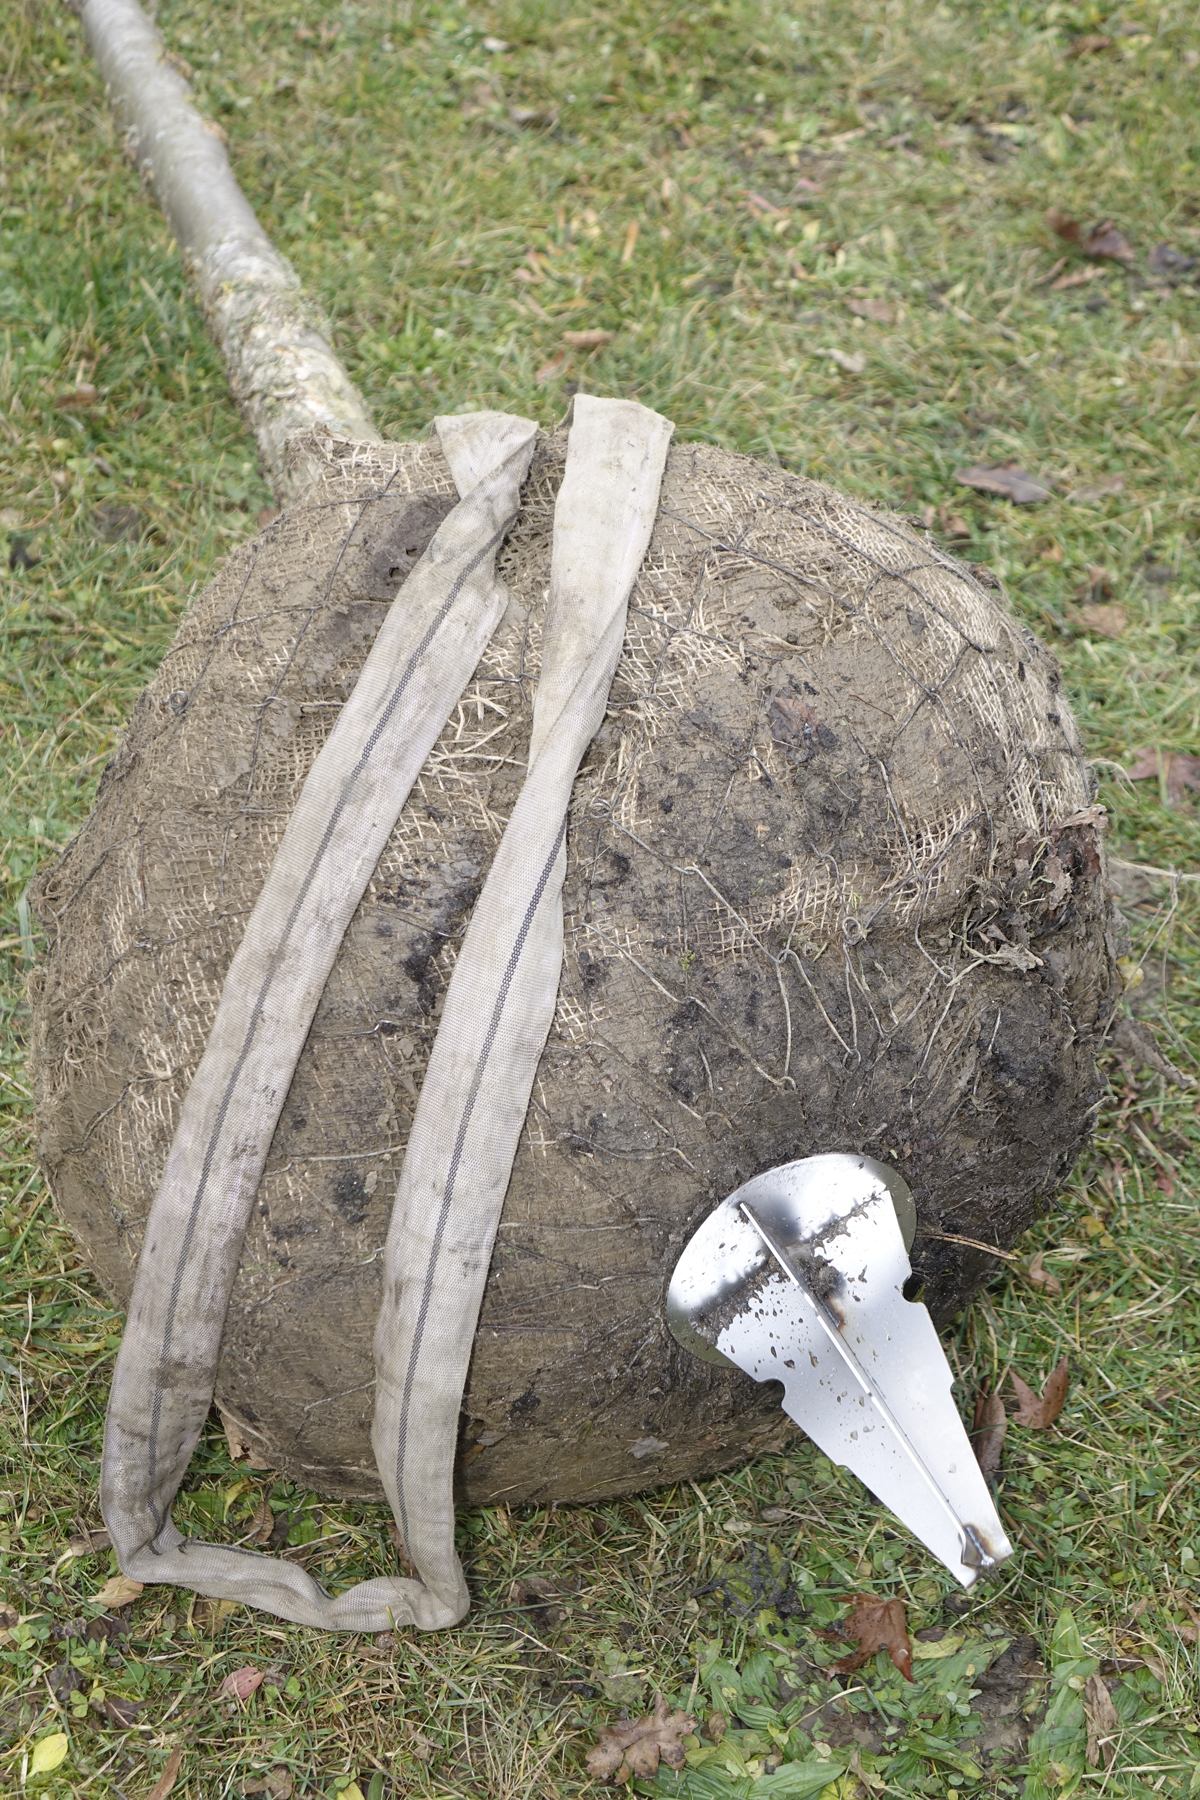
[282,370]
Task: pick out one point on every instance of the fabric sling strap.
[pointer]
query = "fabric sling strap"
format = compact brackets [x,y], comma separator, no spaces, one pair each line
[495,1021]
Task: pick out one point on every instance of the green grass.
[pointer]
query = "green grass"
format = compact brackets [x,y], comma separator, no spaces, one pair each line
[452,246]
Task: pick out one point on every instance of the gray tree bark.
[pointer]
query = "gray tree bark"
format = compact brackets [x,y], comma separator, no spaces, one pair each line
[282,370]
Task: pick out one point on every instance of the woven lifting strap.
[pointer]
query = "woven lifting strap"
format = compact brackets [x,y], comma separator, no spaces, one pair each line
[493,1029]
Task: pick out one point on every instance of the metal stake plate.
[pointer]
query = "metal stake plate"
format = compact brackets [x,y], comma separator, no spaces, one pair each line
[798,1277]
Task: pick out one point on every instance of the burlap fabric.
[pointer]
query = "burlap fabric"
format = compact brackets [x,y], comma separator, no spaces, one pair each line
[832,882]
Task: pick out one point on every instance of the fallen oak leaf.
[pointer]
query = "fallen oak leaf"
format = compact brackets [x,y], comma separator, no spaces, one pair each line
[1039,1276]
[120,1713]
[1103,1723]
[1040,1411]
[1063,225]
[169,1776]
[88,1543]
[118,1591]
[235,1435]
[556,366]
[874,1625]
[1109,244]
[1175,770]
[637,1746]
[241,1684]
[263,1522]
[1007,480]
[1105,621]
[987,1439]
[1103,241]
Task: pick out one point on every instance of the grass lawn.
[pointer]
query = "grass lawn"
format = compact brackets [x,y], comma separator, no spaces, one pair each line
[735,192]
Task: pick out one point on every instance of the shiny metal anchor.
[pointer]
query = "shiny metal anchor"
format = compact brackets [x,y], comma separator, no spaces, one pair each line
[798,1277]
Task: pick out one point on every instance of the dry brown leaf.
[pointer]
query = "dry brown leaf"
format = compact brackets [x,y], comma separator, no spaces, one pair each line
[637,1746]
[1039,1276]
[169,1776]
[540,1596]
[1040,1411]
[277,1783]
[120,1713]
[1103,1723]
[418,1744]
[236,1438]
[587,340]
[715,1727]
[1098,490]
[1103,241]
[1172,263]
[263,1522]
[1053,871]
[1174,769]
[1076,278]
[117,1592]
[9,1616]
[1007,480]
[873,1625]
[556,366]
[991,1425]
[878,310]
[88,1543]
[83,395]
[1063,225]
[242,1683]
[207,1615]
[1109,244]
[1106,621]
[853,365]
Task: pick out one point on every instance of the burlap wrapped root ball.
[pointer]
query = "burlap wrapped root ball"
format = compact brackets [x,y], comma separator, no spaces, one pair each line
[834,883]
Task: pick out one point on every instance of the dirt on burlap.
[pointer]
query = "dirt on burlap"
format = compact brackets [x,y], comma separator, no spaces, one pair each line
[834,883]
